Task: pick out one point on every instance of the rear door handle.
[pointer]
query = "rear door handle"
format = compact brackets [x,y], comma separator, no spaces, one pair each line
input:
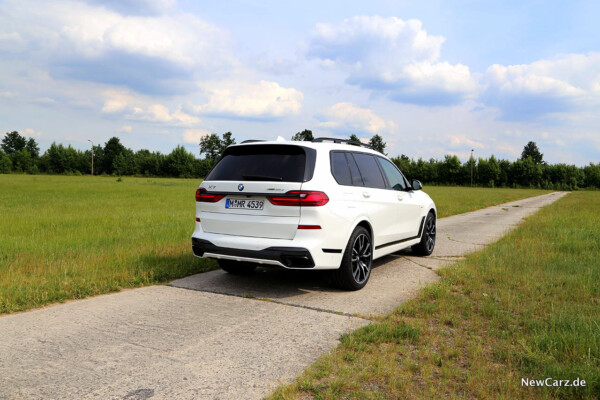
[400,198]
[366,194]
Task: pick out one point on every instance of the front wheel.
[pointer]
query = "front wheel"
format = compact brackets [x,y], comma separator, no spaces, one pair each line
[425,247]
[237,267]
[355,270]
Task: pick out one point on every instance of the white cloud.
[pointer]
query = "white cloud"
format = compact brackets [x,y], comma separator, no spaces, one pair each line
[347,118]
[117,101]
[513,132]
[12,42]
[559,142]
[464,141]
[193,136]
[141,108]
[251,100]
[46,101]
[85,41]
[161,114]
[137,7]
[395,56]
[32,133]
[125,129]
[566,83]
[8,94]
[507,148]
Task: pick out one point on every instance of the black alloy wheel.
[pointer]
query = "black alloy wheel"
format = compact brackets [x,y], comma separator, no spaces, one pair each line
[355,269]
[427,243]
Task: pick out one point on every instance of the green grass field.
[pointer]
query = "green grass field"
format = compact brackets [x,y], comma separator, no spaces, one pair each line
[452,200]
[527,306]
[66,237]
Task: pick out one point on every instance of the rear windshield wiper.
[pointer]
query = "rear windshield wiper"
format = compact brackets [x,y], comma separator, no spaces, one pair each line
[262,178]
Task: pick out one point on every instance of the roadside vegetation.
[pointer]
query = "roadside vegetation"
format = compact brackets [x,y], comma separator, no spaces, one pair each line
[452,200]
[68,237]
[525,307]
[19,154]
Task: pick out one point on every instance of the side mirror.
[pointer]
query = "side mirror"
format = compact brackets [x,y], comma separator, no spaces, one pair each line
[416,185]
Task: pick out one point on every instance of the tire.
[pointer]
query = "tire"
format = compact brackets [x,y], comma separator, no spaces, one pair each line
[237,267]
[355,269]
[427,244]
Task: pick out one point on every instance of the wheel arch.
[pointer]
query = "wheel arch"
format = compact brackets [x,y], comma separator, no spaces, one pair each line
[365,223]
[433,210]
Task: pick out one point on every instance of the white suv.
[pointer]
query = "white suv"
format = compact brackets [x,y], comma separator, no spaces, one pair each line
[326,204]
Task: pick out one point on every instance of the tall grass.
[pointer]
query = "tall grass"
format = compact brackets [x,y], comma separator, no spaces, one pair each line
[526,307]
[72,237]
[66,237]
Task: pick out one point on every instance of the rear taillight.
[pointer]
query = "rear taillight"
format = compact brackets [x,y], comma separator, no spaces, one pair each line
[300,198]
[204,197]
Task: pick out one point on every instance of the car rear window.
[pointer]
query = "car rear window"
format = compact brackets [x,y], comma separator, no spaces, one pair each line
[369,170]
[285,163]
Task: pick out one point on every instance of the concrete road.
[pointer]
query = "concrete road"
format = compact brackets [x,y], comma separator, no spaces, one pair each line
[210,336]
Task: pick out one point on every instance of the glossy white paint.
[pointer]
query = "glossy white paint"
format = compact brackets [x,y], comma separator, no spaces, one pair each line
[392,215]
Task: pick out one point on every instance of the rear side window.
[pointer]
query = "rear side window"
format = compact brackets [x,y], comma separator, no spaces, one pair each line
[369,170]
[285,163]
[356,178]
[339,169]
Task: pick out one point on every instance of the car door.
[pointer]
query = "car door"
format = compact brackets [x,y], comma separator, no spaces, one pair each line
[349,197]
[408,209]
[379,203]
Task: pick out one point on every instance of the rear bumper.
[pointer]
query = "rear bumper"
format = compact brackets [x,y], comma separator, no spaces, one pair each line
[287,257]
[310,249]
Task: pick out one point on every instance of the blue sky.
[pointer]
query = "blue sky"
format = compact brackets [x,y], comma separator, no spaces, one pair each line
[432,77]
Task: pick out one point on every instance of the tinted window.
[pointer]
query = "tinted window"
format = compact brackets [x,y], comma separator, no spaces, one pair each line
[394,176]
[369,170]
[261,163]
[339,168]
[356,178]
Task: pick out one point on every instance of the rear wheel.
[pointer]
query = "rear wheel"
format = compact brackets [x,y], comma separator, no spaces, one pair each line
[237,267]
[355,270]
[425,247]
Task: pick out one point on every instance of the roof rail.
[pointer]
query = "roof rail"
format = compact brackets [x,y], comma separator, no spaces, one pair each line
[347,141]
[251,141]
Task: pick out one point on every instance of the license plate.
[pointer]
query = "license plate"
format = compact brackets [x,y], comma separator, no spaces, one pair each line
[245,204]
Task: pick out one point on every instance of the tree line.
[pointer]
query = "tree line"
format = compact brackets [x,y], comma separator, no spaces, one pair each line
[22,155]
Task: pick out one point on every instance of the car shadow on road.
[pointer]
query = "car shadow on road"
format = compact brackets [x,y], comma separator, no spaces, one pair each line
[268,282]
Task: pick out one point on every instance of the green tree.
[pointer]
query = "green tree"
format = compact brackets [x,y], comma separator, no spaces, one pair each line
[5,163]
[592,175]
[111,151]
[213,147]
[33,148]
[180,163]
[56,162]
[22,161]
[148,163]
[377,143]
[354,138]
[531,150]
[210,146]
[227,141]
[306,136]
[450,169]
[124,163]
[488,171]
[13,142]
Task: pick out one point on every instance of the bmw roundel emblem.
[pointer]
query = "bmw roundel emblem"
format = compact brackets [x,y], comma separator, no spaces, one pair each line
[240,187]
